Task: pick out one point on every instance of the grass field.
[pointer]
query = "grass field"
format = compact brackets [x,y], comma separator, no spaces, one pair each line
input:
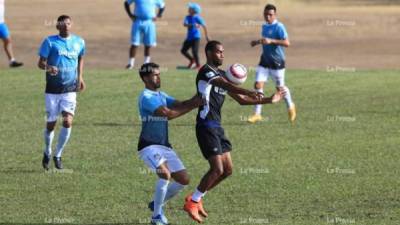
[339,164]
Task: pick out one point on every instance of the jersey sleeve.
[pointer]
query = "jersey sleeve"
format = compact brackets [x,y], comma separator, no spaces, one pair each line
[200,21]
[83,49]
[170,100]
[130,1]
[208,76]
[150,104]
[282,33]
[160,4]
[44,50]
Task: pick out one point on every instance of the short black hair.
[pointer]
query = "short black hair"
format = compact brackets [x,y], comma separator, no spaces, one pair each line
[62,18]
[269,7]
[211,45]
[147,69]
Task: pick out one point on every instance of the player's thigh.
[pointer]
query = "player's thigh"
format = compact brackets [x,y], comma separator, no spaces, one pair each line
[4,32]
[68,103]
[278,77]
[173,161]
[185,46]
[150,34]
[52,104]
[227,162]
[136,33]
[261,76]
[208,141]
[153,157]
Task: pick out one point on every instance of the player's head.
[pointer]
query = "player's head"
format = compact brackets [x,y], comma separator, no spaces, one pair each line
[64,24]
[194,8]
[150,74]
[214,53]
[270,13]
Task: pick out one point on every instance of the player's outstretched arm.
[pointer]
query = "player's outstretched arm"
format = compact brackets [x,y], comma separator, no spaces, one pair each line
[268,41]
[224,84]
[246,100]
[180,108]
[206,33]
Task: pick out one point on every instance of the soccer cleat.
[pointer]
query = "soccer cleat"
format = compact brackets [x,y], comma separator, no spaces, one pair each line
[129,67]
[254,118]
[192,209]
[45,162]
[292,113]
[159,220]
[151,206]
[15,64]
[191,65]
[58,163]
[200,206]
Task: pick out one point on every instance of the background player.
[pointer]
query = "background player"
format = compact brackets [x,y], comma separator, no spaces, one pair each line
[5,37]
[61,56]
[193,22]
[211,138]
[272,61]
[143,26]
[156,108]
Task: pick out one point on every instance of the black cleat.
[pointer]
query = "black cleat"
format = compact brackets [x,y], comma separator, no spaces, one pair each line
[57,163]
[45,162]
[15,64]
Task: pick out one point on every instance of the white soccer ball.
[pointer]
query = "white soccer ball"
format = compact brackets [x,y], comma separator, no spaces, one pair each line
[236,73]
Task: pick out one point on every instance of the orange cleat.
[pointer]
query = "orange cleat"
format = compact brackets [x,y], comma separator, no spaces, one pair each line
[200,206]
[192,208]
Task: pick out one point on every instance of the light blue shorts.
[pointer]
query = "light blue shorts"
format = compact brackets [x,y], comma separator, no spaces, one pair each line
[4,32]
[143,31]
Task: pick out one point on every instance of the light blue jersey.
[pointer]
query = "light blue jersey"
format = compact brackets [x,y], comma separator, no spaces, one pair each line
[273,56]
[146,9]
[154,128]
[193,31]
[64,54]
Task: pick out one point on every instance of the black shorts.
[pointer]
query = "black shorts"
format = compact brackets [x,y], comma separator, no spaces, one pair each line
[212,141]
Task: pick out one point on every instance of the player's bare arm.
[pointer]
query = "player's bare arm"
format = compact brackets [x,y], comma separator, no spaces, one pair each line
[246,100]
[42,64]
[269,41]
[82,85]
[128,11]
[180,108]
[222,83]
[206,33]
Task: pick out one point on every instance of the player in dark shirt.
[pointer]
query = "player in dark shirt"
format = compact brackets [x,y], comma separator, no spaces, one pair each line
[215,146]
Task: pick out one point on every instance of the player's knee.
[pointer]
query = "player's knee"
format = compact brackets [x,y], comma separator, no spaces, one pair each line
[184,180]
[218,171]
[228,172]
[164,174]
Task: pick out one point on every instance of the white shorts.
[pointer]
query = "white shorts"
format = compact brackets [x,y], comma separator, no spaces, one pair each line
[263,74]
[57,103]
[155,155]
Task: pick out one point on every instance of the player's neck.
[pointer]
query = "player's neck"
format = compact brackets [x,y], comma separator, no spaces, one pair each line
[64,35]
[212,65]
[151,88]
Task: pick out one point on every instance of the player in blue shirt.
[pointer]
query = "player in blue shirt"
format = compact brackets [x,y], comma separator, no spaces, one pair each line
[272,61]
[156,108]
[5,37]
[61,56]
[143,26]
[193,22]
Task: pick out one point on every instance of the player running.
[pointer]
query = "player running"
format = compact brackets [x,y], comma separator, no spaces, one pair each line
[143,26]
[156,108]
[193,22]
[214,145]
[272,61]
[5,37]
[61,56]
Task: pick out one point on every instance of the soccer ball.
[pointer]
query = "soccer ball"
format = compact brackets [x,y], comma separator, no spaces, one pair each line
[236,73]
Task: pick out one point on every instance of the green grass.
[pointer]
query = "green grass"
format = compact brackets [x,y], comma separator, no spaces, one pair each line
[340,161]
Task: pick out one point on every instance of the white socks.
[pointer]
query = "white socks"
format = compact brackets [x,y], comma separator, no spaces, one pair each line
[131,62]
[62,140]
[48,139]
[257,108]
[197,195]
[173,189]
[147,59]
[159,196]
[288,97]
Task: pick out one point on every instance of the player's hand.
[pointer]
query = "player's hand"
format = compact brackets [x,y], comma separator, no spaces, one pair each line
[82,85]
[256,95]
[52,70]
[254,43]
[277,96]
